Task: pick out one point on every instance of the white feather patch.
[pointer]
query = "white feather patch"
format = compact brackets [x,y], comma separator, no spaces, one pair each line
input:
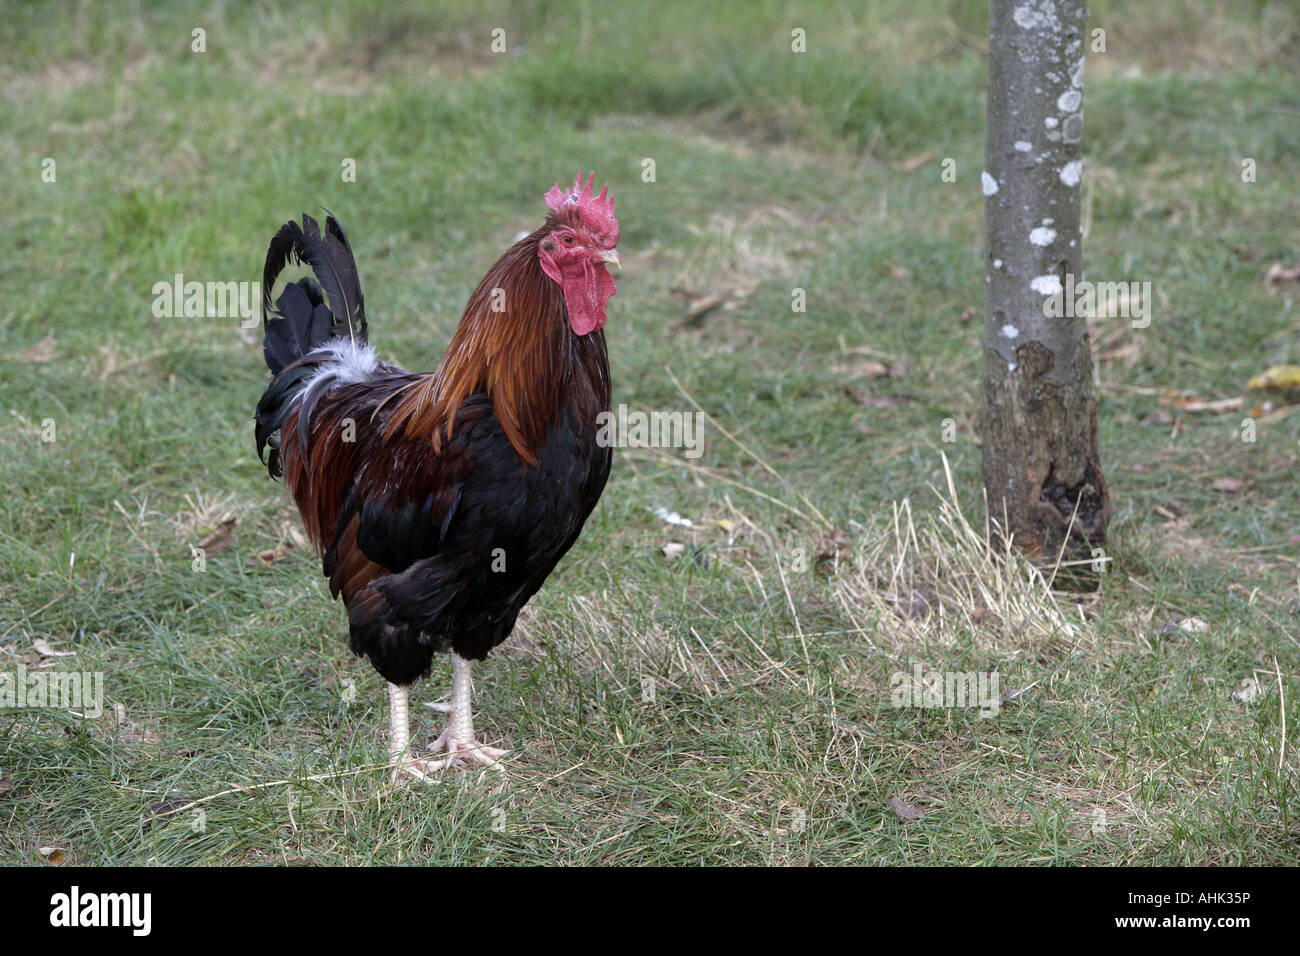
[349,363]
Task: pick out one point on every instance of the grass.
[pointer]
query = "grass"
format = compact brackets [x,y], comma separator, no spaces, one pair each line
[732,705]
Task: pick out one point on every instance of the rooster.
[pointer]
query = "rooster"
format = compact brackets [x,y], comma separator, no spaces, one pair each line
[440,502]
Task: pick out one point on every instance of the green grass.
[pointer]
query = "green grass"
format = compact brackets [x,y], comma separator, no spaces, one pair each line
[769,736]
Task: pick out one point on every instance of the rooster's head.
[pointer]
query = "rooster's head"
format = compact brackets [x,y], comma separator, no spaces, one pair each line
[582,233]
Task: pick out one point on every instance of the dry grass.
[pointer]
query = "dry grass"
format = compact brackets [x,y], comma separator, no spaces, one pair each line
[935,579]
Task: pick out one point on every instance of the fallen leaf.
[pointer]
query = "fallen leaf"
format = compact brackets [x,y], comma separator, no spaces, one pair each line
[846,349]
[832,548]
[41,352]
[43,648]
[698,308]
[219,539]
[870,368]
[1233,486]
[672,550]
[739,295]
[1278,275]
[129,733]
[1190,403]
[169,804]
[907,812]
[868,399]
[297,537]
[917,161]
[1279,377]
[698,303]
[52,856]
[1241,593]
[7,786]
[272,555]
[1031,544]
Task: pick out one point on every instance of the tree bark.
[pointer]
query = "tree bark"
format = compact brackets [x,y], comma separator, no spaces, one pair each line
[1041,469]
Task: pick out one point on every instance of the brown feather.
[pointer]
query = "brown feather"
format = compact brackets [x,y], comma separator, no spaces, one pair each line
[516,355]
[319,479]
[352,569]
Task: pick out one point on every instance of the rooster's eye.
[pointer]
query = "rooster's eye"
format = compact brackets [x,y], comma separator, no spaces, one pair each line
[568,240]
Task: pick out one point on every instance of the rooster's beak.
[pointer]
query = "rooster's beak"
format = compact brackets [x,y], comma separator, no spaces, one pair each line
[611,256]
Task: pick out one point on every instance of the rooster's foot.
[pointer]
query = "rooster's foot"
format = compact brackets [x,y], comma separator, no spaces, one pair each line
[457,752]
[428,769]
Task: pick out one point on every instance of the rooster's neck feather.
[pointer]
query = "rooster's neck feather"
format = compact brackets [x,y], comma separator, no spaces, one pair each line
[514,343]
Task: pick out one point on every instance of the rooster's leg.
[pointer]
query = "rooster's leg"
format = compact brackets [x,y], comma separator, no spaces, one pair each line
[399,733]
[458,737]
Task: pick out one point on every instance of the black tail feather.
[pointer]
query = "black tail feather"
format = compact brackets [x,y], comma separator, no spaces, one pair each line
[302,321]
[271,410]
[329,256]
[308,314]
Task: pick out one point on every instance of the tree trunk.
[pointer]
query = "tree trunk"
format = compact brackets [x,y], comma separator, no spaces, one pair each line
[1039,424]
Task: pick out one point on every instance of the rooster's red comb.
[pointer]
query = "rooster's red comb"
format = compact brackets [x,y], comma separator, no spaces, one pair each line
[578,206]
